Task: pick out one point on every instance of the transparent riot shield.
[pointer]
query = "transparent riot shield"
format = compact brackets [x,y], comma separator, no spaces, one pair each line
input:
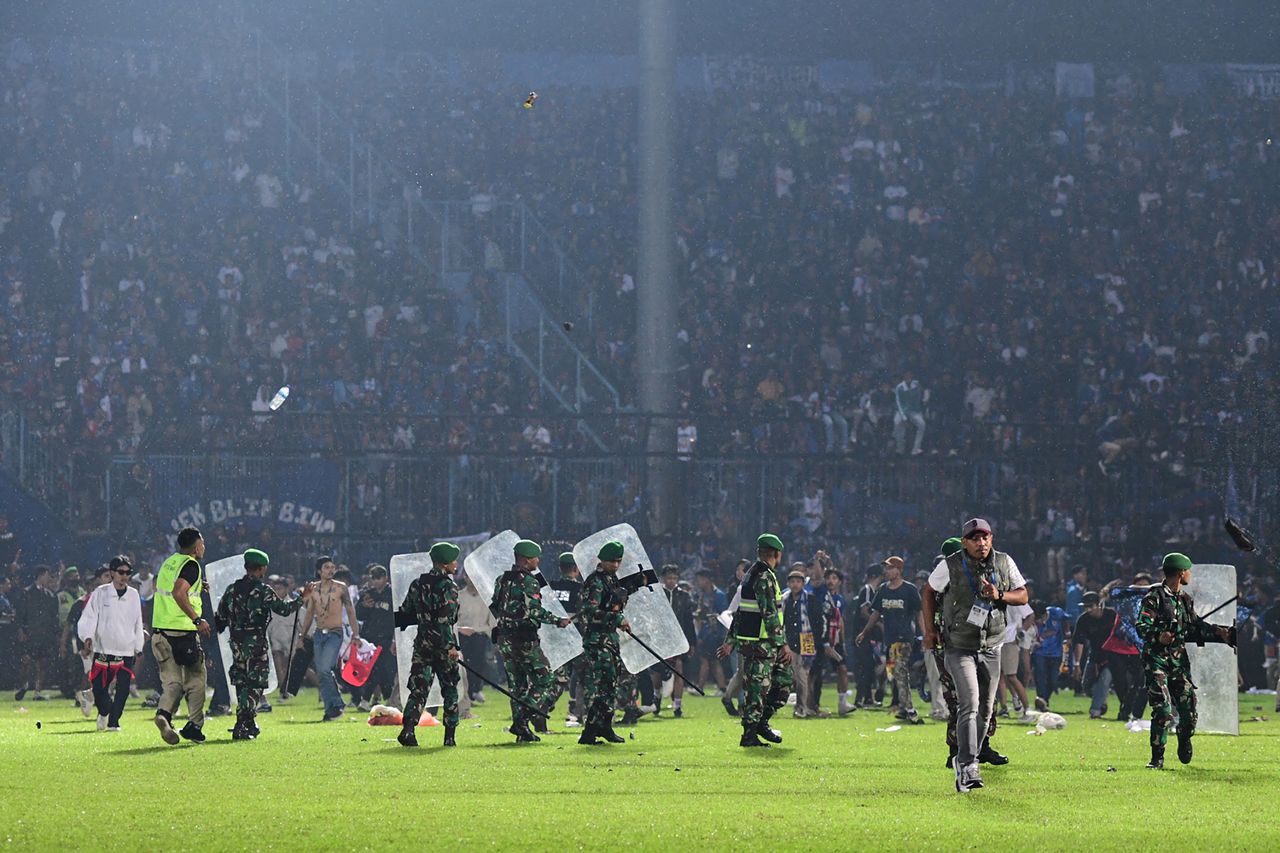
[220,575]
[1214,665]
[483,567]
[404,569]
[648,611]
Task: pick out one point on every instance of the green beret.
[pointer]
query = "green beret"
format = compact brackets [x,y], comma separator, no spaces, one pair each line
[610,551]
[951,546]
[768,540]
[566,559]
[1176,562]
[444,552]
[528,548]
[254,557]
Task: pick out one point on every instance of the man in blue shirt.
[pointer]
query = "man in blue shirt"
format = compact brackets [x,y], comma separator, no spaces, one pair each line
[1046,657]
[709,601]
[1075,592]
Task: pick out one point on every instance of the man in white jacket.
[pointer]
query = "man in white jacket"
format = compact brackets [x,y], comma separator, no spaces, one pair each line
[111,629]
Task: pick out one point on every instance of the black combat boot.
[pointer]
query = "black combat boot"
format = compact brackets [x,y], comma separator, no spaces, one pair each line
[407,736]
[631,716]
[749,738]
[522,733]
[192,733]
[767,732]
[588,735]
[729,707]
[606,731]
[1184,748]
[448,735]
[540,724]
[987,755]
[1157,758]
[243,729]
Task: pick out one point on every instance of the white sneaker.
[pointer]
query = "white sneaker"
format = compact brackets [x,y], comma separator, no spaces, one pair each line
[572,723]
[86,702]
[102,723]
[113,728]
[648,709]
[363,706]
[478,699]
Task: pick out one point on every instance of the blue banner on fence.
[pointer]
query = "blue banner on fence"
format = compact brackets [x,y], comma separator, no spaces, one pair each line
[289,496]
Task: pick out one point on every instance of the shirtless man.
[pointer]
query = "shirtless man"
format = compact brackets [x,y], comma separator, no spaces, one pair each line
[331,598]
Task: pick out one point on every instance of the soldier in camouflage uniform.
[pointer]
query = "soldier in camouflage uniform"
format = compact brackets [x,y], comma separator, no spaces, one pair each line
[758,633]
[517,604]
[432,604]
[245,610]
[1166,623]
[600,618]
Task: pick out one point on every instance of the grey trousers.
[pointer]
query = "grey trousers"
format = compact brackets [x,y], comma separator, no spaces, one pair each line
[178,681]
[975,675]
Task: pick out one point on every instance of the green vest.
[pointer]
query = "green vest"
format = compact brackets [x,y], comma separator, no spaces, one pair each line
[959,599]
[166,613]
[750,624]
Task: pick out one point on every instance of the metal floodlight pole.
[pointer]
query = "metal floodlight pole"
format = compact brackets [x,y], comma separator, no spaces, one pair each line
[656,289]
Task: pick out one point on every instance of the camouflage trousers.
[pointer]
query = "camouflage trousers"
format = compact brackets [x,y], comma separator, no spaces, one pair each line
[571,678]
[1165,690]
[249,672]
[603,663]
[766,681]
[899,664]
[528,677]
[949,697]
[428,664]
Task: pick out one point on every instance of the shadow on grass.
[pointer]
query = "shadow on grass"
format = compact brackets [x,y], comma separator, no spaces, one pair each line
[161,747]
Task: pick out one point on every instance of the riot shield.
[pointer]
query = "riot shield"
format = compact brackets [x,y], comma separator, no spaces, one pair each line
[483,567]
[220,575]
[1214,665]
[404,569]
[648,610]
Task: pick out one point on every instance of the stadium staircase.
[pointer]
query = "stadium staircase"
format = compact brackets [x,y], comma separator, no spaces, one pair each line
[445,240]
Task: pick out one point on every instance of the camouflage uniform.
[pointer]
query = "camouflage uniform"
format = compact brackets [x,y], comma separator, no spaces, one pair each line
[517,603]
[600,617]
[1167,668]
[432,604]
[245,610]
[766,678]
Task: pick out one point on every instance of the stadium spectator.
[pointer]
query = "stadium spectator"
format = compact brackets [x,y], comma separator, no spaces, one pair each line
[38,633]
[110,627]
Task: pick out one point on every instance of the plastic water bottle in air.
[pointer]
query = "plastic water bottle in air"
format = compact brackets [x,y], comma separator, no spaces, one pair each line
[278,400]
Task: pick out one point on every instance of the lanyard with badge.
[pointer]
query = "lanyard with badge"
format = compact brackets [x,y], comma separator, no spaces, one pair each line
[981,610]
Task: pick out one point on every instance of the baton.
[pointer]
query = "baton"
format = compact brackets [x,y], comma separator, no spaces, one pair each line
[293,644]
[500,689]
[670,668]
[1220,606]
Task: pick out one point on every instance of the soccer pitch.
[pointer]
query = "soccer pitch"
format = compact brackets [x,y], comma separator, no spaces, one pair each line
[833,784]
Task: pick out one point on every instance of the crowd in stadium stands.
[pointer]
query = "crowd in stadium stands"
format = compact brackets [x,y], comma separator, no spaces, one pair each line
[895,274]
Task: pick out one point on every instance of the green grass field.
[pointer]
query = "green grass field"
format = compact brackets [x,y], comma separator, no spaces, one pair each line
[680,784]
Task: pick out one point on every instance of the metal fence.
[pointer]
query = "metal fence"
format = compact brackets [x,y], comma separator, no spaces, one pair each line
[392,500]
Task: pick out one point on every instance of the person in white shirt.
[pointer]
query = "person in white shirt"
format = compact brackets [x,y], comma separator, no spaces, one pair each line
[978,584]
[111,629]
[1010,658]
